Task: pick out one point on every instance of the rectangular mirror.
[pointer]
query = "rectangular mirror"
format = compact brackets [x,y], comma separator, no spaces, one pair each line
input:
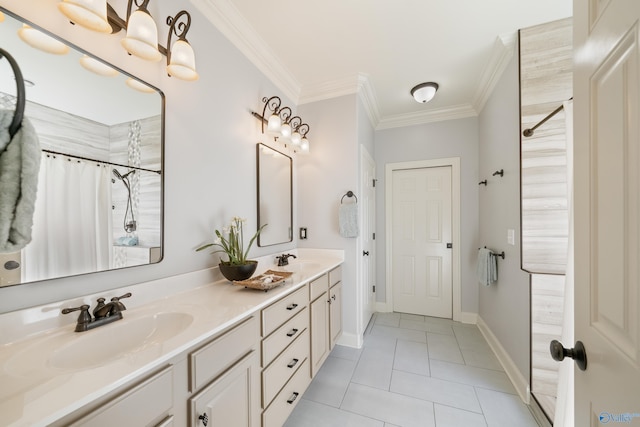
[99,198]
[275,196]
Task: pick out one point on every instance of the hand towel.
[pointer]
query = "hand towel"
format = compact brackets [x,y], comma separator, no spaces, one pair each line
[348,220]
[487,269]
[19,168]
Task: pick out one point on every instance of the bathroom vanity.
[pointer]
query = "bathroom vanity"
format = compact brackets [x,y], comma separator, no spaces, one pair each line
[210,354]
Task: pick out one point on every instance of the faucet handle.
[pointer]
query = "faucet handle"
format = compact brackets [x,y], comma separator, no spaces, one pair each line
[116,301]
[84,316]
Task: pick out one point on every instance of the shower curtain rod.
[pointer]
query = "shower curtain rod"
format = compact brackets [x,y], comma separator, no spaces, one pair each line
[100,161]
[529,132]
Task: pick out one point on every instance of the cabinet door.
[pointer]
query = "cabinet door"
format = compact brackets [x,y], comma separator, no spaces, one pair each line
[335,315]
[319,332]
[232,400]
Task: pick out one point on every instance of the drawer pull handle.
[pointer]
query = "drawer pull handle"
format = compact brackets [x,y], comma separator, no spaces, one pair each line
[292,306]
[293,397]
[292,333]
[333,297]
[293,363]
[205,419]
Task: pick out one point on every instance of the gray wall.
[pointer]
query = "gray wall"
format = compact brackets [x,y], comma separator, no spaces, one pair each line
[452,138]
[505,305]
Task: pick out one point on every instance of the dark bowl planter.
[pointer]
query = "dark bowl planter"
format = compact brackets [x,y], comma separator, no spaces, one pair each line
[238,272]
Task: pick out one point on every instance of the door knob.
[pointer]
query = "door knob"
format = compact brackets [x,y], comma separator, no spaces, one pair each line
[578,353]
[365,253]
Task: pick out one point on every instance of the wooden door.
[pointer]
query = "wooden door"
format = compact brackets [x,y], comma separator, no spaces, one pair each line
[368,203]
[421,232]
[607,210]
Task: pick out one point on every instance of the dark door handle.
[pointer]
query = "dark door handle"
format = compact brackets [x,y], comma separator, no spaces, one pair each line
[365,253]
[578,353]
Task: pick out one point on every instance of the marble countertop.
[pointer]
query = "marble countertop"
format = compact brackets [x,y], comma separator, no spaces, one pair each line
[34,391]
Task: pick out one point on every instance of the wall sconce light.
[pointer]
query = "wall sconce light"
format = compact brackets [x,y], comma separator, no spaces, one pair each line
[41,41]
[141,39]
[282,124]
[424,92]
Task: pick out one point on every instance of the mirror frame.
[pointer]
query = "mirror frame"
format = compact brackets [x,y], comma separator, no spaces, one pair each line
[162,112]
[259,148]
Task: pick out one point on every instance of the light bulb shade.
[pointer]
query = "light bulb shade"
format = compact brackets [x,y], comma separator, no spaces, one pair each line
[97,67]
[424,92]
[304,145]
[142,36]
[274,124]
[296,138]
[91,14]
[285,130]
[42,41]
[1,16]
[183,61]
[139,86]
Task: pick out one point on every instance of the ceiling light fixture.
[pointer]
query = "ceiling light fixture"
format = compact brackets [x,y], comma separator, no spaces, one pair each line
[141,39]
[424,92]
[42,41]
[283,125]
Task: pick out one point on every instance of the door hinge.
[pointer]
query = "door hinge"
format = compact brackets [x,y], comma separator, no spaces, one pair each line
[374,289]
[449,245]
[374,236]
[374,183]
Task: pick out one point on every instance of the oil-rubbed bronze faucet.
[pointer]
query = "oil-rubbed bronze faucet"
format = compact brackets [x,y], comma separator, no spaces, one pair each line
[284,259]
[102,313]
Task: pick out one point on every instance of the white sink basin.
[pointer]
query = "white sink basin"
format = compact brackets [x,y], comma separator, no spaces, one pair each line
[72,351]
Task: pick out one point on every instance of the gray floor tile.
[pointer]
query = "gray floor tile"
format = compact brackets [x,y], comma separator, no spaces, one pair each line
[438,328]
[502,409]
[412,357]
[482,358]
[478,377]
[444,347]
[449,393]
[331,382]
[470,337]
[312,414]
[344,352]
[388,319]
[374,367]
[412,317]
[447,416]
[404,334]
[389,407]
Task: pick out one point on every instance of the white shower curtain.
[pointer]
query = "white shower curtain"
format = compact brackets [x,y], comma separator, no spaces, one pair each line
[564,404]
[72,221]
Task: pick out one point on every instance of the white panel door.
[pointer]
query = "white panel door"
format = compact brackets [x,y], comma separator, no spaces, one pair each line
[368,203]
[607,210]
[421,230]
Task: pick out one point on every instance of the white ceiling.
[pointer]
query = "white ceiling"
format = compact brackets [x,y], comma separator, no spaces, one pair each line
[315,50]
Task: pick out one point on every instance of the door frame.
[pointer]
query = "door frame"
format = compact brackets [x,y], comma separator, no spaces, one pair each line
[361,325]
[454,163]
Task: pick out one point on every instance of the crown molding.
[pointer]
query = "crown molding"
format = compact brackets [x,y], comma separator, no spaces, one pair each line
[422,117]
[228,20]
[501,54]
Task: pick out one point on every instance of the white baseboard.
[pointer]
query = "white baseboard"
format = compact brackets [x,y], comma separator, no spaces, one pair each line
[470,318]
[350,340]
[512,371]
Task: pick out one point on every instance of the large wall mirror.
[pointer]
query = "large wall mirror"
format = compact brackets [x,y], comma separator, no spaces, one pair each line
[275,194]
[99,197]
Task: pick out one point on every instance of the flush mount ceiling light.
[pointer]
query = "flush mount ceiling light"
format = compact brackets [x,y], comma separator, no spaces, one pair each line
[283,125]
[141,39]
[424,92]
[41,41]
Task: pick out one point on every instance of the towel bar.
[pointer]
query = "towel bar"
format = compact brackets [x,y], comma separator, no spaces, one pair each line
[501,254]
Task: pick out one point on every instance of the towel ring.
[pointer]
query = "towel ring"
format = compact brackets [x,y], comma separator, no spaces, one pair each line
[349,194]
[16,123]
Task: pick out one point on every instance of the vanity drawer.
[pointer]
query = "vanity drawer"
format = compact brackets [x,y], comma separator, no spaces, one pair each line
[279,312]
[212,359]
[279,372]
[335,275]
[280,409]
[147,403]
[318,286]
[283,336]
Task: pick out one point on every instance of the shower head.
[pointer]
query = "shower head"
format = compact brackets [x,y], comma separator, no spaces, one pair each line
[120,176]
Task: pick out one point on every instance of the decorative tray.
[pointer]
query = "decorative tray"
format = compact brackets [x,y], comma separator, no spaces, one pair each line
[265,281]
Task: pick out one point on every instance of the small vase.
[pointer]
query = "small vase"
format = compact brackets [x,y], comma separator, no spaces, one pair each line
[238,271]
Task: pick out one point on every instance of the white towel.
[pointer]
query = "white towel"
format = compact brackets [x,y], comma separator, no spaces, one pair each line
[348,219]
[487,269]
[19,168]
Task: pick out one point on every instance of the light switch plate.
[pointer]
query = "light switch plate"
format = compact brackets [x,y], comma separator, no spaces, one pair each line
[511,236]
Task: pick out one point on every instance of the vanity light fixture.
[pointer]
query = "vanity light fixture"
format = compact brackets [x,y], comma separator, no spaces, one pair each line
[140,87]
[97,67]
[141,39]
[41,41]
[424,92]
[1,16]
[283,125]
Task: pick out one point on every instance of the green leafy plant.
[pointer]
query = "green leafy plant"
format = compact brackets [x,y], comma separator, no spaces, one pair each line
[233,244]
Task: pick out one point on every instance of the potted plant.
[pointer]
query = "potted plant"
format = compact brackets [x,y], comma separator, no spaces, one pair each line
[238,267]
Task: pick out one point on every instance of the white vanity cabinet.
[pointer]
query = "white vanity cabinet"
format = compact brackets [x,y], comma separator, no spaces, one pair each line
[325,294]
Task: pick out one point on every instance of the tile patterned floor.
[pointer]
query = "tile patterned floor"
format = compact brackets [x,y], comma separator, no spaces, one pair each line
[412,371]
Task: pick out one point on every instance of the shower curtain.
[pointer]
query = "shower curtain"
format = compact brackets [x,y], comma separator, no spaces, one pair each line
[564,404]
[72,221]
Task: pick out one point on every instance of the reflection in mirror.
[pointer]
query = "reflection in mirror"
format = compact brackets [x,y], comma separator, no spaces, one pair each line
[99,200]
[275,191]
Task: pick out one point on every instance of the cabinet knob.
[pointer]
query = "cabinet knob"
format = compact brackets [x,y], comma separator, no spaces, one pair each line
[205,419]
